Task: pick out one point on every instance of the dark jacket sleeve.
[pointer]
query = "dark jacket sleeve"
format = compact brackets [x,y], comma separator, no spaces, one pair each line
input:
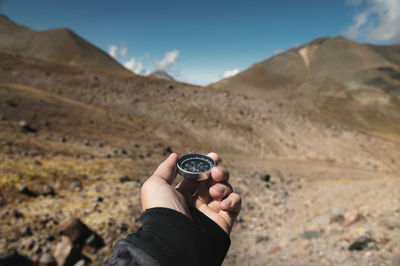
[168,237]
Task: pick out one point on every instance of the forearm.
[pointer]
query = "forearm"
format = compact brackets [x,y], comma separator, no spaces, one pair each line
[171,238]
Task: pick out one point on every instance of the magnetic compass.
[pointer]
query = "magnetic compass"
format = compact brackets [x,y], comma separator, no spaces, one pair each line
[195,166]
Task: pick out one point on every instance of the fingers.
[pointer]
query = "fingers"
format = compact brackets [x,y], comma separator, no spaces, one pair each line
[219,174]
[167,169]
[220,191]
[214,156]
[230,208]
[232,203]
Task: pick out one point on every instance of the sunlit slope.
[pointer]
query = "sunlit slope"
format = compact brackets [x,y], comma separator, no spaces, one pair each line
[58,45]
[356,84]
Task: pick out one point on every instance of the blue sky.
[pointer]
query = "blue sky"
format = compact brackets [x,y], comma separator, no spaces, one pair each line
[199,41]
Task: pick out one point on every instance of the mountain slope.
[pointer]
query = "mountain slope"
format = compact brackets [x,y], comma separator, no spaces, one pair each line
[356,84]
[161,74]
[58,45]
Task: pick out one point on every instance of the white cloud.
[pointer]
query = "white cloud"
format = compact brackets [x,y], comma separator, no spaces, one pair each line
[123,51]
[230,73]
[113,50]
[170,58]
[116,51]
[378,20]
[135,66]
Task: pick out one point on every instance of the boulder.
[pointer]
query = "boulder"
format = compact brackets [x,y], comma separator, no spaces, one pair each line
[47,260]
[66,253]
[79,233]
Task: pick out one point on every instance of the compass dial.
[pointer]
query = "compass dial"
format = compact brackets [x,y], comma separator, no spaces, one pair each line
[195,166]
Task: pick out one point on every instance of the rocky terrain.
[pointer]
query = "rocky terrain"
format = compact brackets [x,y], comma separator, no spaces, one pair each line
[77,142]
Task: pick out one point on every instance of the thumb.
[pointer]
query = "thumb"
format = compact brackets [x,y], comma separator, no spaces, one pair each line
[167,169]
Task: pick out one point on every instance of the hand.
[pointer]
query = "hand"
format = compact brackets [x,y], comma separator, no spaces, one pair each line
[213,197]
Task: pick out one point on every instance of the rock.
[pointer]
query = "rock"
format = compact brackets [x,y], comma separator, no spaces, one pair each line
[48,191]
[16,214]
[396,260]
[37,249]
[37,162]
[351,217]
[391,223]
[26,231]
[168,150]
[23,189]
[11,257]
[28,244]
[124,179]
[75,229]
[321,220]
[310,234]
[25,127]
[12,103]
[50,237]
[66,253]
[98,199]
[107,154]
[81,262]
[76,185]
[94,240]
[47,260]
[261,238]
[337,218]
[361,243]
[266,178]
[79,233]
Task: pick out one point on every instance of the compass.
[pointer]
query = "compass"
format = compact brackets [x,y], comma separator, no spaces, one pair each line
[195,166]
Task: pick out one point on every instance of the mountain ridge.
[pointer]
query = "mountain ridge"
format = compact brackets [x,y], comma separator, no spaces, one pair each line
[348,81]
[60,45]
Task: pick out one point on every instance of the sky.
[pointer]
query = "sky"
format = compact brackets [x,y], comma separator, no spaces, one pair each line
[204,41]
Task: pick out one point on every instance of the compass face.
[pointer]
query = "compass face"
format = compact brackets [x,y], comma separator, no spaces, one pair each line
[195,166]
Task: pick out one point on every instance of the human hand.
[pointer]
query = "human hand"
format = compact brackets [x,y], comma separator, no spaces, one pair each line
[213,197]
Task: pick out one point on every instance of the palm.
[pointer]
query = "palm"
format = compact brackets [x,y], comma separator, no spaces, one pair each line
[212,197]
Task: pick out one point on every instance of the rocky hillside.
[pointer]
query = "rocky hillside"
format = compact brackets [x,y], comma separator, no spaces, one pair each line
[58,45]
[356,84]
[76,144]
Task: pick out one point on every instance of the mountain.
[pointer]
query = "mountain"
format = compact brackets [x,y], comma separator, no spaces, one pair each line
[356,84]
[57,45]
[162,74]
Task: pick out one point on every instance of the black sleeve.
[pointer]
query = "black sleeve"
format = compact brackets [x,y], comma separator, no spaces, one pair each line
[168,237]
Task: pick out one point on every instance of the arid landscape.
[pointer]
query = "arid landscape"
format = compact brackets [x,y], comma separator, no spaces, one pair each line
[311,137]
